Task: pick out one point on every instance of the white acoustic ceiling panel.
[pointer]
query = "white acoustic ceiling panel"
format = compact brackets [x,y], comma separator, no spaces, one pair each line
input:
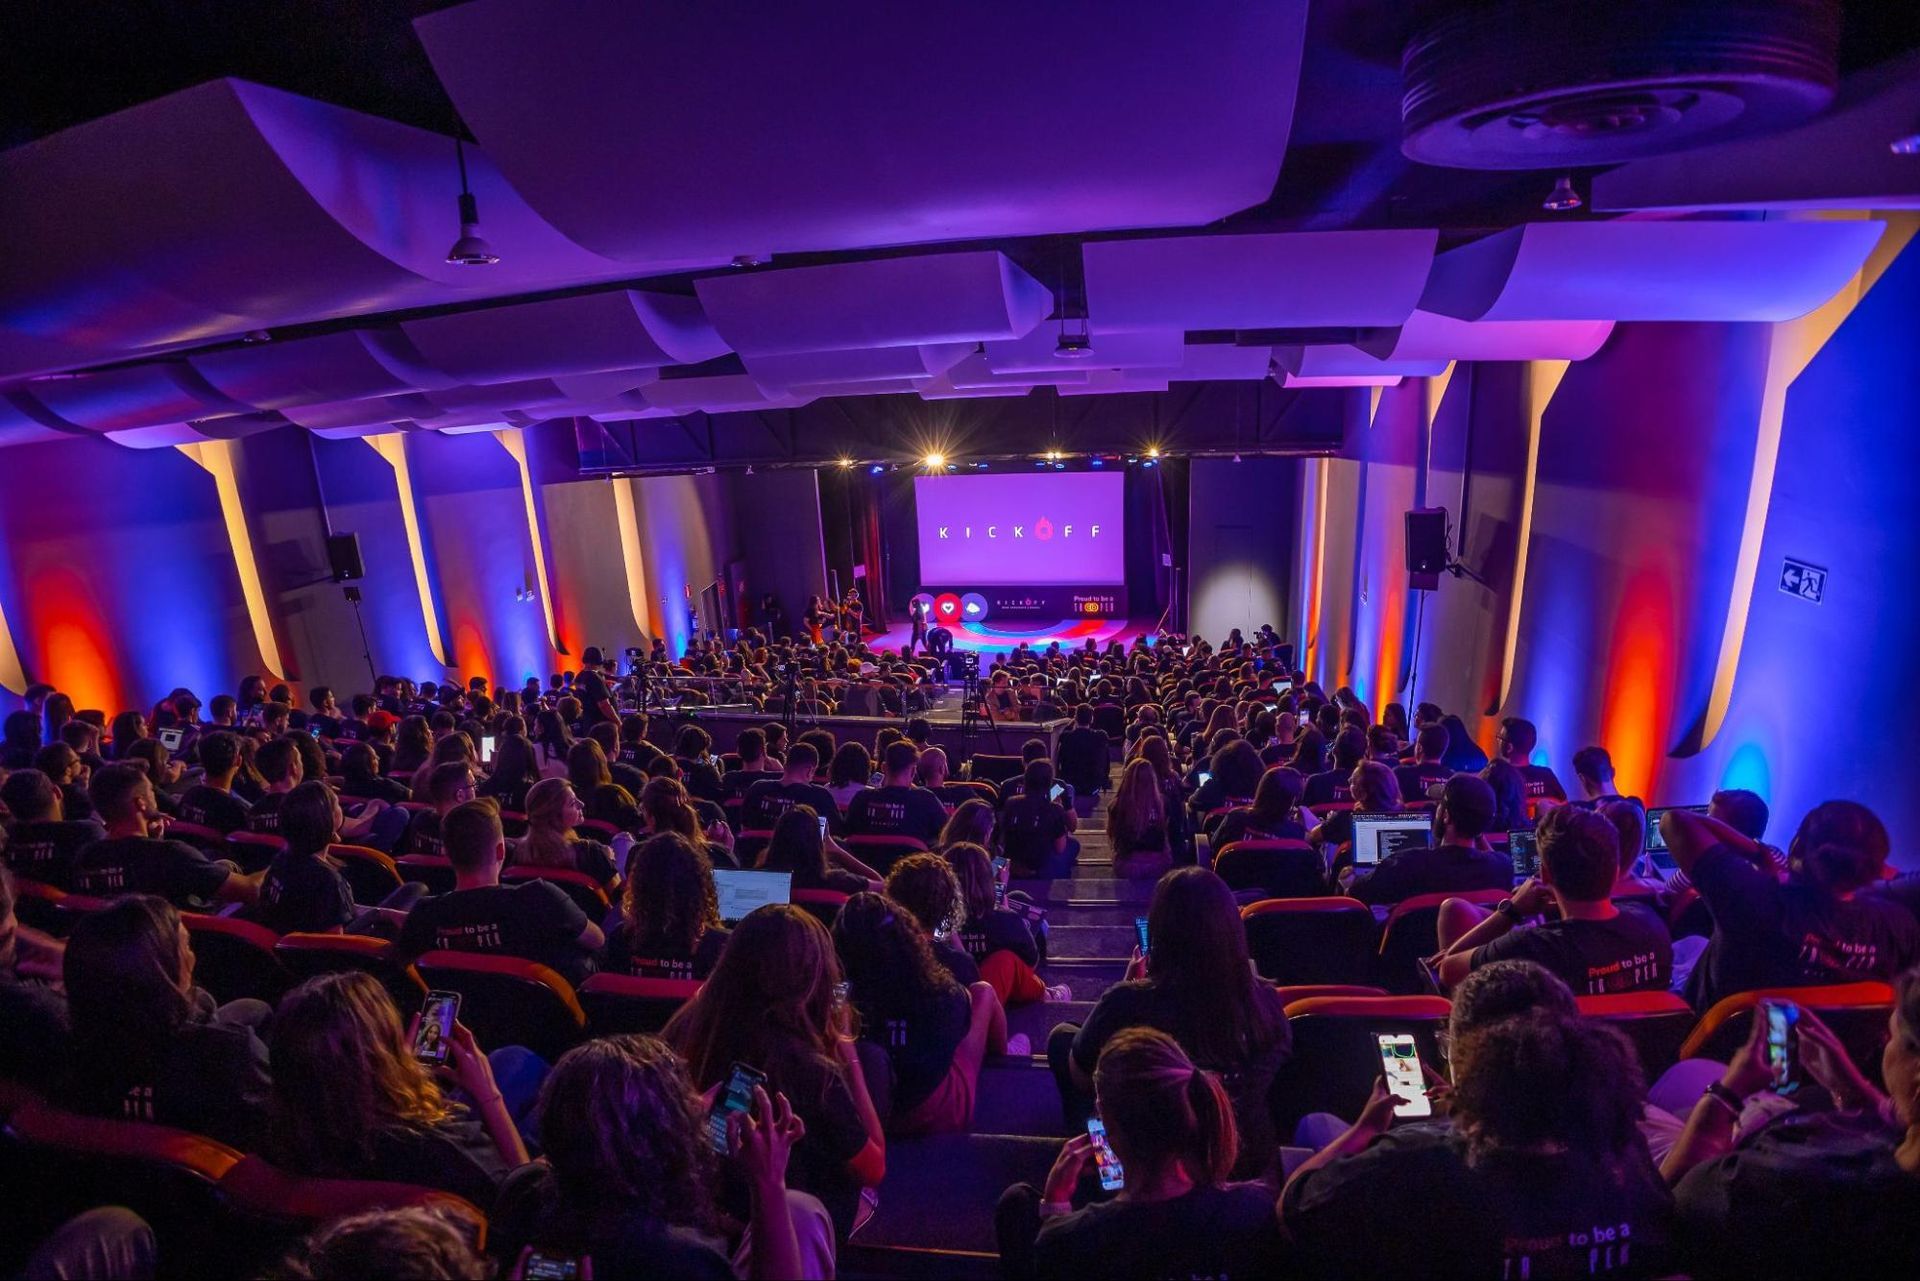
[200,431]
[1107,382]
[735,126]
[942,388]
[1110,349]
[584,334]
[875,387]
[1430,336]
[1277,280]
[925,299]
[715,393]
[130,397]
[856,365]
[1632,270]
[1214,362]
[375,411]
[350,365]
[974,372]
[1340,360]
[1340,380]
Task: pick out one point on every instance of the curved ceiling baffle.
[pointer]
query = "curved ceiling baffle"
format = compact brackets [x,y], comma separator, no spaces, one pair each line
[820,136]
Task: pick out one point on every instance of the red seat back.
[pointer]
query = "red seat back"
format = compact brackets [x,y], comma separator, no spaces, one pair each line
[259,1191]
[254,850]
[509,1001]
[1310,940]
[1412,931]
[619,1003]
[1336,1053]
[881,852]
[824,904]
[304,956]
[210,839]
[49,908]
[434,871]
[1280,869]
[235,958]
[1856,1012]
[370,873]
[1656,1022]
[578,886]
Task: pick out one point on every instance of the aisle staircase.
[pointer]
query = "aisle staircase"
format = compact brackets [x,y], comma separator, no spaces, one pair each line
[935,1217]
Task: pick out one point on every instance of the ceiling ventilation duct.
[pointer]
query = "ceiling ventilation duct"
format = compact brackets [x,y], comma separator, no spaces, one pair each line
[1557,84]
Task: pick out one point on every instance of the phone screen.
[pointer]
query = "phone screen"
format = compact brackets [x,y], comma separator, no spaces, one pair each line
[736,1097]
[1057,791]
[172,738]
[823,829]
[1205,778]
[1112,1177]
[486,747]
[1783,1044]
[437,1015]
[1000,882]
[1140,928]
[1404,1077]
[540,1265]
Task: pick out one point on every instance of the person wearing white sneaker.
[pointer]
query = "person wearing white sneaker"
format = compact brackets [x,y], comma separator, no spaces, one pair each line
[1000,940]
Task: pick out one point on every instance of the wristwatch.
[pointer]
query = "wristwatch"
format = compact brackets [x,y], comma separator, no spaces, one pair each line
[1722,1094]
[1507,909]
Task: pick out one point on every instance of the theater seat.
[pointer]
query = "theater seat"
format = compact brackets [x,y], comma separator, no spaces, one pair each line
[619,1003]
[280,1205]
[595,829]
[1336,1058]
[998,770]
[513,824]
[748,846]
[168,1177]
[1310,940]
[1857,1013]
[824,904]
[1689,915]
[233,958]
[578,886]
[304,956]
[370,873]
[49,908]
[434,871]
[1656,1022]
[1279,869]
[509,1001]
[254,850]
[881,852]
[1412,933]
[1302,991]
[208,839]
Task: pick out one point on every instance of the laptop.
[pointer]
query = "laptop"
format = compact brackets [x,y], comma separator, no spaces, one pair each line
[1375,836]
[1657,844]
[741,892]
[1524,846]
[171,737]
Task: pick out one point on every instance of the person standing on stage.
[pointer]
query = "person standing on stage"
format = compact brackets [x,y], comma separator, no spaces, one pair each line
[815,618]
[917,616]
[851,611]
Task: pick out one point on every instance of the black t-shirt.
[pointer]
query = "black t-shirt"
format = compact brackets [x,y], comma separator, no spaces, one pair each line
[211,807]
[1435,869]
[44,851]
[325,726]
[303,893]
[896,811]
[174,870]
[1414,779]
[530,1212]
[455,1155]
[1766,934]
[1630,953]
[920,1040]
[596,703]
[958,961]
[1030,828]
[33,1034]
[533,920]
[1412,1205]
[1002,930]
[1332,787]
[702,779]
[210,1078]
[422,835]
[265,814]
[736,783]
[1542,781]
[1084,756]
[769,798]
[390,790]
[1220,1233]
[643,756]
[1240,825]
[1809,1195]
[510,792]
[1248,1077]
[622,958]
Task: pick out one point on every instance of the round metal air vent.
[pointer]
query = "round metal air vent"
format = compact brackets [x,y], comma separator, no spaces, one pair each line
[1545,84]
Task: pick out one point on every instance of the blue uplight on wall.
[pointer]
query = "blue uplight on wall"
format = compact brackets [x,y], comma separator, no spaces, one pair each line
[1747,771]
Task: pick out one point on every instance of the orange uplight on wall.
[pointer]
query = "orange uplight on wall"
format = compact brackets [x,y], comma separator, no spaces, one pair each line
[67,630]
[1636,704]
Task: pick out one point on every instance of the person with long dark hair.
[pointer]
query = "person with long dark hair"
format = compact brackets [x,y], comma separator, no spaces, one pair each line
[817,862]
[936,1032]
[1171,1126]
[515,770]
[1197,985]
[1274,814]
[669,924]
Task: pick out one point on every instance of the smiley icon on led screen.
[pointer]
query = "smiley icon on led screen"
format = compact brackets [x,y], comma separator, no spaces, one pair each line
[973,607]
[946,607]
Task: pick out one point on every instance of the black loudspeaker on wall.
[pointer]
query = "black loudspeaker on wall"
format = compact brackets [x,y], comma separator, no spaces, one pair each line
[1427,540]
[343,556]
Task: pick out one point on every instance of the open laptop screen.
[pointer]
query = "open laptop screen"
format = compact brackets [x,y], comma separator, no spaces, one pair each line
[1375,836]
[740,892]
[1657,844]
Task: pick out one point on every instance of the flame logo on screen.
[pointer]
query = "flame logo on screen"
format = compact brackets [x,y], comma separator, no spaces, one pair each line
[1043,529]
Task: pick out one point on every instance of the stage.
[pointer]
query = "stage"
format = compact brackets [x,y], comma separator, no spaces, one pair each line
[990,639]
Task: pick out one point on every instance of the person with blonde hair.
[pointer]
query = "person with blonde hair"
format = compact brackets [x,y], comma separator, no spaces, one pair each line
[553,811]
[1137,824]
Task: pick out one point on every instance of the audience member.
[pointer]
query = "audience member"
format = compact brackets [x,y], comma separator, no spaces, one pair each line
[669,924]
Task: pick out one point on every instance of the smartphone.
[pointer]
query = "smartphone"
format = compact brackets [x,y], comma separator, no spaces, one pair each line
[1783,1044]
[432,1037]
[736,1097]
[546,1265]
[1401,1060]
[1140,928]
[486,749]
[1205,778]
[1057,791]
[823,829]
[171,738]
[1112,1177]
[1000,882]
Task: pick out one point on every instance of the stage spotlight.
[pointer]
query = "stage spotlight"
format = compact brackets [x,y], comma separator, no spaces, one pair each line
[1053,455]
[935,462]
[1153,451]
[1151,462]
[875,470]
[471,249]
[846,462]
[1563,197]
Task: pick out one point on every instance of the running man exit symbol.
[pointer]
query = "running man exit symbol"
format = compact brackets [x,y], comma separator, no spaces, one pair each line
[1808,582]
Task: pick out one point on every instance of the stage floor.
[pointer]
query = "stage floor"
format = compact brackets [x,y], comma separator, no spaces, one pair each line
[991,638]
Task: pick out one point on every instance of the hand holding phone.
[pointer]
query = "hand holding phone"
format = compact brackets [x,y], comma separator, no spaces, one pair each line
[433,1034]
[1405,1077]
[536,1264]
[1112,1176]
[1783,1045]
[1140,928]
[735,1097]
